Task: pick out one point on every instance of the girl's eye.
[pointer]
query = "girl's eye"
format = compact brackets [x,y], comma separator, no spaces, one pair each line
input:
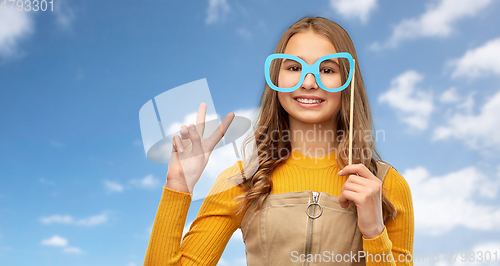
[294,68]
[327,71]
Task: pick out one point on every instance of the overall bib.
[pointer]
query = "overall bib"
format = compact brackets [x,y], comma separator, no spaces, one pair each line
[303,228]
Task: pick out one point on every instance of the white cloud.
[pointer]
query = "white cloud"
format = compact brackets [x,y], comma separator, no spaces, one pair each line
[149,182]
[413,105]
[65,14]
[216,10]
[437,21]
[356,9]
[458,102]
[15,26]
[93,220]
[442,203]
[450,96]
[237,236]
[55,241]
[113,186]
[73,250]
[58,241]
[478,62]
[60,219]
[191,119]
[68,219]
[492,247]
[476,130]
[480,251]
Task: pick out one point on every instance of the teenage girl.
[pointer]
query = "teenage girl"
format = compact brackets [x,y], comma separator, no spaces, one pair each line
[304,203]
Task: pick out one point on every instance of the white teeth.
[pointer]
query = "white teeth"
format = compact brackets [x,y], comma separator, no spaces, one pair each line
[308,100]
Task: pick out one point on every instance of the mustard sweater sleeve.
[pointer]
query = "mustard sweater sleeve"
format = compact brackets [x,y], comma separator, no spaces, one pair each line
[397,237]
[208,234]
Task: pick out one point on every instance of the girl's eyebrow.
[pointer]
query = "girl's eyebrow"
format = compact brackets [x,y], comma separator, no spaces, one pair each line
[327,60]
[333,61]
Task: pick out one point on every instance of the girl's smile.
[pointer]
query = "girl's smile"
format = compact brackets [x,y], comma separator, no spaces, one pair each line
[309,101]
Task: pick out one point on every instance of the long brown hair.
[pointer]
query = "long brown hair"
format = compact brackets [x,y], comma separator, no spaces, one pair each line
[273,119]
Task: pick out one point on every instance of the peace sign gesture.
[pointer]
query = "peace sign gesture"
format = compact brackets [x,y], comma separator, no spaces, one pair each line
[191,152]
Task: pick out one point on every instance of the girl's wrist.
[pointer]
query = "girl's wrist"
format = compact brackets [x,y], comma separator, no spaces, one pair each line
[374,233]
[177,187]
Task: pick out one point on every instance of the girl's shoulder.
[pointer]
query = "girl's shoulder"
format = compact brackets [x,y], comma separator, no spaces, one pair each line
[393,181]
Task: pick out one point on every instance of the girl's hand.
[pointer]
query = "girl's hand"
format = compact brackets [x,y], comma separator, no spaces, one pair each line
[365,190]
[191,152]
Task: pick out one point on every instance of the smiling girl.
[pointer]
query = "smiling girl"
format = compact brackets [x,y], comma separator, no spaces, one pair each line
[305,203]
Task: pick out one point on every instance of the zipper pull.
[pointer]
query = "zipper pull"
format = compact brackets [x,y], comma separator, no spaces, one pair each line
[315,196]
[314,202]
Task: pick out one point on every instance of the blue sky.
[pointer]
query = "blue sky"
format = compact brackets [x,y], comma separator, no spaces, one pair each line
[77,189]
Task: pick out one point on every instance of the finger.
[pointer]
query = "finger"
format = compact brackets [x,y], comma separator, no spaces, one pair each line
[178,144]
[174,165]
[344,198]
[220,131]
[359,169]
[184,132]
[358,180]
[174,156]
[174,149]
[200,118]
[195,140]
[353,187]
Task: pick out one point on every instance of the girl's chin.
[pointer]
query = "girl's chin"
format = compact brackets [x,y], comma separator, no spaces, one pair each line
[311,119]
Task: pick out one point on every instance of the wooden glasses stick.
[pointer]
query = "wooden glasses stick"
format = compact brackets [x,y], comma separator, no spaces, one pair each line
[351,112]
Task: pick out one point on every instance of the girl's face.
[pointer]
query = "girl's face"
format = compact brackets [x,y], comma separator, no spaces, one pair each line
[309,46]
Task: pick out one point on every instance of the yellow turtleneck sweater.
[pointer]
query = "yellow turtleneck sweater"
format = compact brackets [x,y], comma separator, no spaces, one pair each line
[209,233]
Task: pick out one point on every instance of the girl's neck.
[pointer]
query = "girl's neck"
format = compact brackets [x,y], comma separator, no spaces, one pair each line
[313,139]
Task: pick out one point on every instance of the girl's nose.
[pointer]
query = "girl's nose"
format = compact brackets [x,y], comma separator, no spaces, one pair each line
[310,82]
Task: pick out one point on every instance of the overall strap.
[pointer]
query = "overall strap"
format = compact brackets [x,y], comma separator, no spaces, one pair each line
[382,170]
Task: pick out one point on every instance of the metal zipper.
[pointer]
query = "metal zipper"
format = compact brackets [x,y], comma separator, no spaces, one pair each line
[313,204]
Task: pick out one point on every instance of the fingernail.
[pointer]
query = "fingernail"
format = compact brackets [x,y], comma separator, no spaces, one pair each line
[339,172]
[183,130]
[192,128]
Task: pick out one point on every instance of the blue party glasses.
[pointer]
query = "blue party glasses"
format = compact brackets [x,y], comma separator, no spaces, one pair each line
[293,70]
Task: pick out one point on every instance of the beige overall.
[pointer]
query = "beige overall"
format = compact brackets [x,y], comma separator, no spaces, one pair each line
[303,228]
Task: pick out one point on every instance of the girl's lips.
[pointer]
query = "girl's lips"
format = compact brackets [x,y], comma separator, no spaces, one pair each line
[305,96]
[308,105]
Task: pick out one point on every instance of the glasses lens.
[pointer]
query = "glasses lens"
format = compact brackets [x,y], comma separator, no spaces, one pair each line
[288,72]
[334,72]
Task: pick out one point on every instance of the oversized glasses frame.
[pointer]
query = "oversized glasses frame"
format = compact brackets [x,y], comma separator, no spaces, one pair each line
[314,69]
[306,69]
